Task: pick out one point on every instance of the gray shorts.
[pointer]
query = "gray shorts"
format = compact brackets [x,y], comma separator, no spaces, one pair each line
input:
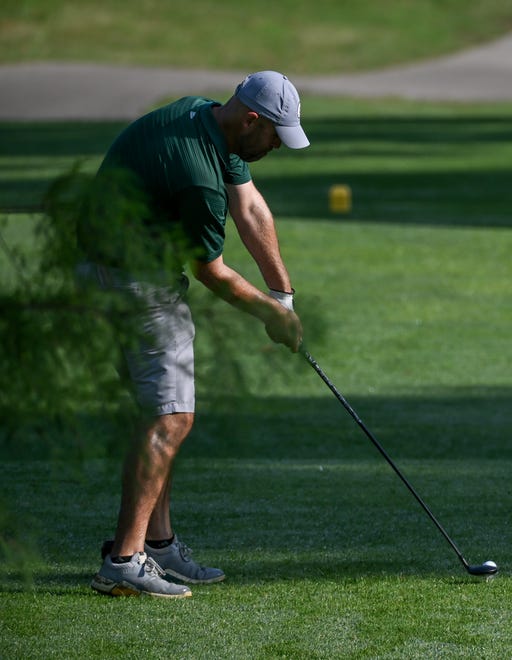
[161,360]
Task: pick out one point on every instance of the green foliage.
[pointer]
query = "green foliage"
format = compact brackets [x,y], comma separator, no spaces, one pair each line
[17,547]
[60,338]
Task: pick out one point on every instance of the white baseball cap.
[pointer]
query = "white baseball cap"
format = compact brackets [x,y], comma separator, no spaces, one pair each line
[273,96]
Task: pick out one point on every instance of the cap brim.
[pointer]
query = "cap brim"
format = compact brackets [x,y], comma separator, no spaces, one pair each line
[292,136]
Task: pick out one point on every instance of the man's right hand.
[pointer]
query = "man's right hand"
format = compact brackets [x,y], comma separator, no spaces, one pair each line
[285,328]
[282,325]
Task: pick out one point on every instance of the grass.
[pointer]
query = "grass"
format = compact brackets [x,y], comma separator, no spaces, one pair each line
[325,36]
[406,307]
[314,566]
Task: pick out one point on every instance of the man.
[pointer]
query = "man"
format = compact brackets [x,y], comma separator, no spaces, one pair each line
[183,167]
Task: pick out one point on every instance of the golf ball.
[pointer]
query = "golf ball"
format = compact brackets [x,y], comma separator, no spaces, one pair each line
[491,564]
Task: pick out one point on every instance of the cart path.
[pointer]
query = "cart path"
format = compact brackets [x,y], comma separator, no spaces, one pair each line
[74,91]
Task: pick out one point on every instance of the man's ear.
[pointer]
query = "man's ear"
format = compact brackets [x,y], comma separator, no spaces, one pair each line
[250,117]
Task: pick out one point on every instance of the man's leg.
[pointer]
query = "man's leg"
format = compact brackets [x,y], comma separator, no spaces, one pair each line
[160,523]
[161,367]
[144,508]
[128,570]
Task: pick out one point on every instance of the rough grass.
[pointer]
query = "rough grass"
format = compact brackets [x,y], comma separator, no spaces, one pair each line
[325,36]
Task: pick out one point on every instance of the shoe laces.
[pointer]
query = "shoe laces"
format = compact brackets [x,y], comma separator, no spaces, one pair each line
[150,565]
[184,550]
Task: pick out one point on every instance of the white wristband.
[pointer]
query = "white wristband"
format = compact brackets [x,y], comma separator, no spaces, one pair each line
[286,299]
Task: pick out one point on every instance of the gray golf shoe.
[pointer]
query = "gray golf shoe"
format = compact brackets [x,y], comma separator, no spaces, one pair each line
[176,560]
[141,576]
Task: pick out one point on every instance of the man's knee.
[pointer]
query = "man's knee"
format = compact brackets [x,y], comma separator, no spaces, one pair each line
[171,430]
[178,424]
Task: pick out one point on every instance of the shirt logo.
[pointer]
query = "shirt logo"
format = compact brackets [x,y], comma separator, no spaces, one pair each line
[192,114]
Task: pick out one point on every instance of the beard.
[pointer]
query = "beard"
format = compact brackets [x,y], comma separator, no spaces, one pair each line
[251,150]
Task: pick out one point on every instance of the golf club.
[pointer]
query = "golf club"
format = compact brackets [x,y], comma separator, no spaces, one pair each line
[488,567]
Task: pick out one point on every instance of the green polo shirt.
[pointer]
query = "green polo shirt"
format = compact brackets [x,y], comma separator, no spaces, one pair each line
[176,165]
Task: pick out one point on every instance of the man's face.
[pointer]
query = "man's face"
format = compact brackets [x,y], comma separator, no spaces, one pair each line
[257,140]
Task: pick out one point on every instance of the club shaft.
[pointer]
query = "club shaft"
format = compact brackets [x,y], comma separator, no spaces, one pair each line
[383,452]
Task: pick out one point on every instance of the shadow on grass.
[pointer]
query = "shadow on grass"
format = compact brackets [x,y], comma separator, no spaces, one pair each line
[449,422]
[60,583]
[480,198]
[33,154]
[61,580]
[419,170]
[54,139]
[284,490]
[423,425]
[321,570]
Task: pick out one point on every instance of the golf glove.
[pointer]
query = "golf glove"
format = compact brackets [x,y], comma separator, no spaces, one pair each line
[286,299]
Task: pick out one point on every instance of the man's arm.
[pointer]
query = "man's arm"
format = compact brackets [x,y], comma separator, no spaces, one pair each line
[255,225]
[283,326]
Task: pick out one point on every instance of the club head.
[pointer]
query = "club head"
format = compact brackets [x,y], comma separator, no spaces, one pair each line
[487,568]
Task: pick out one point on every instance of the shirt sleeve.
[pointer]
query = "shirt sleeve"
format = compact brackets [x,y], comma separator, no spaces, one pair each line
[237,171]
[203,219]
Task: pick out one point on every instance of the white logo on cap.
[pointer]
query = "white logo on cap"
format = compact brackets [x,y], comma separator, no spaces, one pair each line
[298,111]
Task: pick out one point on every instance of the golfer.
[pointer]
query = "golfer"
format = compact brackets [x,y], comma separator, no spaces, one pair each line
[181,168]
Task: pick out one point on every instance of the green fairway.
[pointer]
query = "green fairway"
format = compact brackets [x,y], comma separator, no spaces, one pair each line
[324,559]
[296,37]
[406,306]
